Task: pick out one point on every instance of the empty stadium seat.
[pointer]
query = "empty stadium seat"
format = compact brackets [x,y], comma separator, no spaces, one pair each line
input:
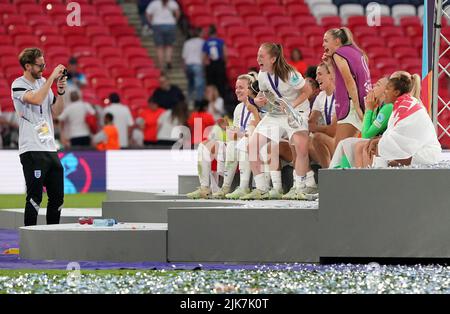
[321,10]
[347,10]
[400,10]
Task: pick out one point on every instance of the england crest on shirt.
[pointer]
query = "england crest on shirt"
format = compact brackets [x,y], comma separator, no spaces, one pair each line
[295,80]
[37,174]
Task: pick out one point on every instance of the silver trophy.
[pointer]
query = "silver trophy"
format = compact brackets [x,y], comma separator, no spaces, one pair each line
[295,119]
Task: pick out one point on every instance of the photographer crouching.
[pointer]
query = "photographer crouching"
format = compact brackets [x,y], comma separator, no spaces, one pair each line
[35,104]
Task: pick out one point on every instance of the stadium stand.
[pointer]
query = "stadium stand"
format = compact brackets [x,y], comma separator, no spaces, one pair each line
[107,47]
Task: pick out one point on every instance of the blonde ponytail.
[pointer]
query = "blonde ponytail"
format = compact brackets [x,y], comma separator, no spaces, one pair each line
[415,92]
[345,35]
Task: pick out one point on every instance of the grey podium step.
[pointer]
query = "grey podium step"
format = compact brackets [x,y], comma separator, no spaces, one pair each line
[14,218]
[122,243]
[243,234]
[152,211]
[385,213]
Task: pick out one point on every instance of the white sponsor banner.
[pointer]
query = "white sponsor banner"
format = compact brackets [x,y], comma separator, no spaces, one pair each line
[148,170]
[11,174]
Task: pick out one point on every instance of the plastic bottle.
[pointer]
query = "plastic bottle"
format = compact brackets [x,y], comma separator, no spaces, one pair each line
[104,222]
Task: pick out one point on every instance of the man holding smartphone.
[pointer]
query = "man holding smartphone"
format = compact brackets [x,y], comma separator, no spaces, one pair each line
[35,105]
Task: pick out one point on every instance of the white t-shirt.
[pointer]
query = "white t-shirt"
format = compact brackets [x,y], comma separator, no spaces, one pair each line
[31,115]
[122,120]
[193,51]
[319,105]
[216,108]
[166,125]
[75,117]
[162,15]
[288,90]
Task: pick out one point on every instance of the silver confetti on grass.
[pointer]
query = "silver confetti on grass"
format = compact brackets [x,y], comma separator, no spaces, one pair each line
[303,279]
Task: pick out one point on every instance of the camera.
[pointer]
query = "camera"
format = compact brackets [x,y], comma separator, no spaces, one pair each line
[64,74]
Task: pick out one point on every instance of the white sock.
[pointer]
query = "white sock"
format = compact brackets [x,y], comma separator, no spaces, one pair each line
[299,181]
[276,180]
[245,173]
[204,165]
[260,181]
[221,158]
[230,164]
[310,181]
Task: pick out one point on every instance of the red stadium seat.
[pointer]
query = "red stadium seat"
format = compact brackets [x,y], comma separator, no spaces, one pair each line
[108,10]
[369,42]
[395,41]
[6,48]
[105,52]
[133,93]
[102,41]
[286,31]
[40,30]
[277,21]
[8,8]
[304,21]
[128,41]
[356,20]
[58,51]
[72,31]
[123,72]
[136,62]
[115,20]
[389,31]
[273,10]
[224,10]
[248,10]
[244,41]
[28,40]
[51,40]
[10,20]
[260,30]
[88,61]
[383,63]
[121,30]
[39,20]
[6,40]
[328,22]
[297,9]
[129,83]
[227,21]
[55,9]
[252,21]
[83,51]
[103,82]
[148,72]
[237,31]
[198,10]
[379,52]
[405,52]
[202,21]
[97,30]
[75,40]
[313,30]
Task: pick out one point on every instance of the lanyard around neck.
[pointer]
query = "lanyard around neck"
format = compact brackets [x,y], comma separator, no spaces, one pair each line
[243,121]
[274,85]
[328,111]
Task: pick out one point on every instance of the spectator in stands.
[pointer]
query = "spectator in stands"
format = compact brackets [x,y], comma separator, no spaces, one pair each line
[192,56]
[163,16]
[215,56]
[167,95]
[137,135]
[142,7]
[215,102]
[168,121]
[108,138]
[150,115]
[297,61]
[410,137]
[123,119]
[352,79]
[73,118]
[74,77]
[199,121]
[322,121]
